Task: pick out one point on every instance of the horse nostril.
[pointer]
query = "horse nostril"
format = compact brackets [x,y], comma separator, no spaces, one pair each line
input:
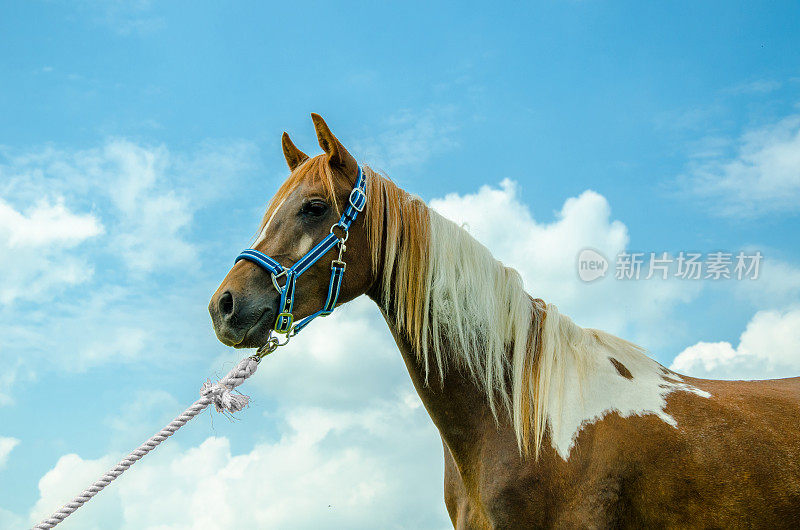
[226,304]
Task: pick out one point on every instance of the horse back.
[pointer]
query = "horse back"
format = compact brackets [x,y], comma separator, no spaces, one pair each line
[732,460]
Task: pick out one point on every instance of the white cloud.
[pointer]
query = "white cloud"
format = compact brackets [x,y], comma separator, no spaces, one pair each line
[152,218]
[124,17]
[125,344]
[778,284]
[14,371]
[545,254]
[9,519]
[145,195]
[46,224]
[759,86]
[101,219]
[762,177]
[34,248]
[410,138]
[768,348]
[7,444]
[70,476]
[145,408]
[330,470]
[108,324]
[347,361]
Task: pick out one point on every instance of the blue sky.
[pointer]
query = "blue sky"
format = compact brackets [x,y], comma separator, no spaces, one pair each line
[139,144]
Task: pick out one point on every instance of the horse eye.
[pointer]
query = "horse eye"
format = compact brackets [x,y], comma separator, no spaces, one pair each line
[314,208]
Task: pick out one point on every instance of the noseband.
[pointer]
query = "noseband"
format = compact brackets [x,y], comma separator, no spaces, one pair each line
[285,321]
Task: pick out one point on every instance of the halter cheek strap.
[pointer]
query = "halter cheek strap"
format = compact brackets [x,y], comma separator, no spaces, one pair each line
[285,320]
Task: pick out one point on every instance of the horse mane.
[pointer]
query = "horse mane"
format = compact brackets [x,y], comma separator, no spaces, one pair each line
[459,306]
[453,301]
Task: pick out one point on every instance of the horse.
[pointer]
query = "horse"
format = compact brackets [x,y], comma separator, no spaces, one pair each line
[544,424]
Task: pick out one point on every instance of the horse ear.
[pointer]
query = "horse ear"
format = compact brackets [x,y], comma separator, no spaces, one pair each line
[337,154]
[294,156]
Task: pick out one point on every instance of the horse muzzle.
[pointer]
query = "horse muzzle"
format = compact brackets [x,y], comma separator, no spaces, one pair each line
[240,321]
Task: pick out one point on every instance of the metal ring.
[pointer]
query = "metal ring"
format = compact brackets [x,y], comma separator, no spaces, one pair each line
[345,230]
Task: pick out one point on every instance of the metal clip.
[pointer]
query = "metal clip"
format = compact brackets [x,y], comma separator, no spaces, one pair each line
[272,344]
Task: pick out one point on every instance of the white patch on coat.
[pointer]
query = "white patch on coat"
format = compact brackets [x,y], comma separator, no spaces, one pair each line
[306,242]
[481,307]
[263,234]
[585,391]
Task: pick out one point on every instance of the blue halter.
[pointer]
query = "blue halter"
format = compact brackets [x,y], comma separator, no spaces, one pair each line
[285,322]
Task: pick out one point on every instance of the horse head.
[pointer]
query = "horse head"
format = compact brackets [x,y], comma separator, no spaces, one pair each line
[296,267]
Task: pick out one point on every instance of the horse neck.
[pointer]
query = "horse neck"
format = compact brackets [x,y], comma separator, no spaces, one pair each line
[422,242]
[455,403]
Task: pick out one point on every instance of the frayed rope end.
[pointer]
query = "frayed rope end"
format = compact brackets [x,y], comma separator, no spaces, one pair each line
[221,392]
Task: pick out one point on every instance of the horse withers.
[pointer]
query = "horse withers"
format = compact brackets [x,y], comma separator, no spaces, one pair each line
[543,423]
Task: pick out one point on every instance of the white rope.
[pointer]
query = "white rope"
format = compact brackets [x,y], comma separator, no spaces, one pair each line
[219,393]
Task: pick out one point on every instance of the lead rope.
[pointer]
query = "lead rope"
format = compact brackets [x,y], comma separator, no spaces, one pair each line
[219,393]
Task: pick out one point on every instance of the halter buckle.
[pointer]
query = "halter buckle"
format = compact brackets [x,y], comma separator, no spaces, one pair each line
[358,199]
[288,326]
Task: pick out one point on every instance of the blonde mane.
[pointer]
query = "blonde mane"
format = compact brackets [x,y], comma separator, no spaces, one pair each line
[460,307]
[456,304]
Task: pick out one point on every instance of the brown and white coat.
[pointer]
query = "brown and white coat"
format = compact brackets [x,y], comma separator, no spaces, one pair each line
[544,424]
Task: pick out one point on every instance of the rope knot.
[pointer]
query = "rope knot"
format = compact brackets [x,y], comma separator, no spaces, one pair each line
[221,392]
[223,397]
